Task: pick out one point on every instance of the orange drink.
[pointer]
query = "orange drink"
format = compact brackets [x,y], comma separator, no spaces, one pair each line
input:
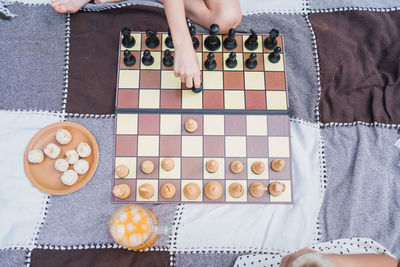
[136,227]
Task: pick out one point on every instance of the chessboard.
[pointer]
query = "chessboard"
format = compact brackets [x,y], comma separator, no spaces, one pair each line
[241,124]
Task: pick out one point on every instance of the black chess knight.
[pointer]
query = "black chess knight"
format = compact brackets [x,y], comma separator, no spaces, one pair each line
[251,43]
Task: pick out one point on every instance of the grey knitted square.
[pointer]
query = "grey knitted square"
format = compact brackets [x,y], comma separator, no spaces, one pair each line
[362,196]
[32,58]
[12,257]
[205,259]
[325,4]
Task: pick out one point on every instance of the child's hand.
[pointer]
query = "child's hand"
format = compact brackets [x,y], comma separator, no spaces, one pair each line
[186,66]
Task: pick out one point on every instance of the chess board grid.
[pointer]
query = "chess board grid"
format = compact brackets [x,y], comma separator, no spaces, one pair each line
[225,92]
[132,182]
[179,198]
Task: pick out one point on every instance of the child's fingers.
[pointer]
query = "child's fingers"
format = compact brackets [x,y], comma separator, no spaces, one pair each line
[285,260]
[183,79]
[176,73]
[189,81]
[197,81]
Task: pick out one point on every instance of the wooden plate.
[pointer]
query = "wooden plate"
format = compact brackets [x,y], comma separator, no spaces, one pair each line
[44,176]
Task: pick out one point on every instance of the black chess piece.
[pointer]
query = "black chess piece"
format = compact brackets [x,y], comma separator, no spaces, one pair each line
[270,42]
[168,41]
[197,90]
[152,40]
[210,62]
[212,42]
[128,40]
[251,62]
[230,42]
[195,40]
[168,59]
[129,59]
[147,58]
[275,56]
[231,61]
[251,43]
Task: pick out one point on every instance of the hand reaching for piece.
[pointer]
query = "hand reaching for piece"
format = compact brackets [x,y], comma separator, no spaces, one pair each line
[186,66]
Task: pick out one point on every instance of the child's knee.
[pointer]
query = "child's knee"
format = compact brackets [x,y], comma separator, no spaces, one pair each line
[228,18]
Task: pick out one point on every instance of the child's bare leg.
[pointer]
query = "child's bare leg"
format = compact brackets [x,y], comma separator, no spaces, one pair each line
[226,13]
[72,6]
[64,6]
[106,1]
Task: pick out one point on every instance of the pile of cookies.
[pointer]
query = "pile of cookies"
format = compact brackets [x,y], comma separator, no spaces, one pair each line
[72,158]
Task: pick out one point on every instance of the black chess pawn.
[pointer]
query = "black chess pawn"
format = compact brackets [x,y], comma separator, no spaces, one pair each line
[275,56]
[147,58]
[212,42]
[270,42]
[168,41]
[128,40]
[197,90]
[251,43]
[251,62]
[230,42]
[231,61]
[152,40]
[168,59]
[195,40]
[129,59]
[210,62]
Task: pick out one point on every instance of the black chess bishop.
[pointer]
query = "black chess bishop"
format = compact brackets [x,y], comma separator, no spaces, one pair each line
[230,42]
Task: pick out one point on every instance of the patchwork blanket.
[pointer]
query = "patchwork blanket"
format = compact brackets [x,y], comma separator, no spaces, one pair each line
[343,80]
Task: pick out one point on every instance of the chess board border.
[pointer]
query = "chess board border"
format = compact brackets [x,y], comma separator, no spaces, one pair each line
[202,112]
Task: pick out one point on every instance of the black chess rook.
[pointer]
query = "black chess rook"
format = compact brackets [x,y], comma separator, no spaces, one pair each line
[231,61]
[128,40]
[147,58]
[168,59]
[270,42]
[195,40]
[129,59]
[210,62]
[152,40]
[230,42]
[251,43]
[212,42]
[251,62]
[168,41]
[275,56]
